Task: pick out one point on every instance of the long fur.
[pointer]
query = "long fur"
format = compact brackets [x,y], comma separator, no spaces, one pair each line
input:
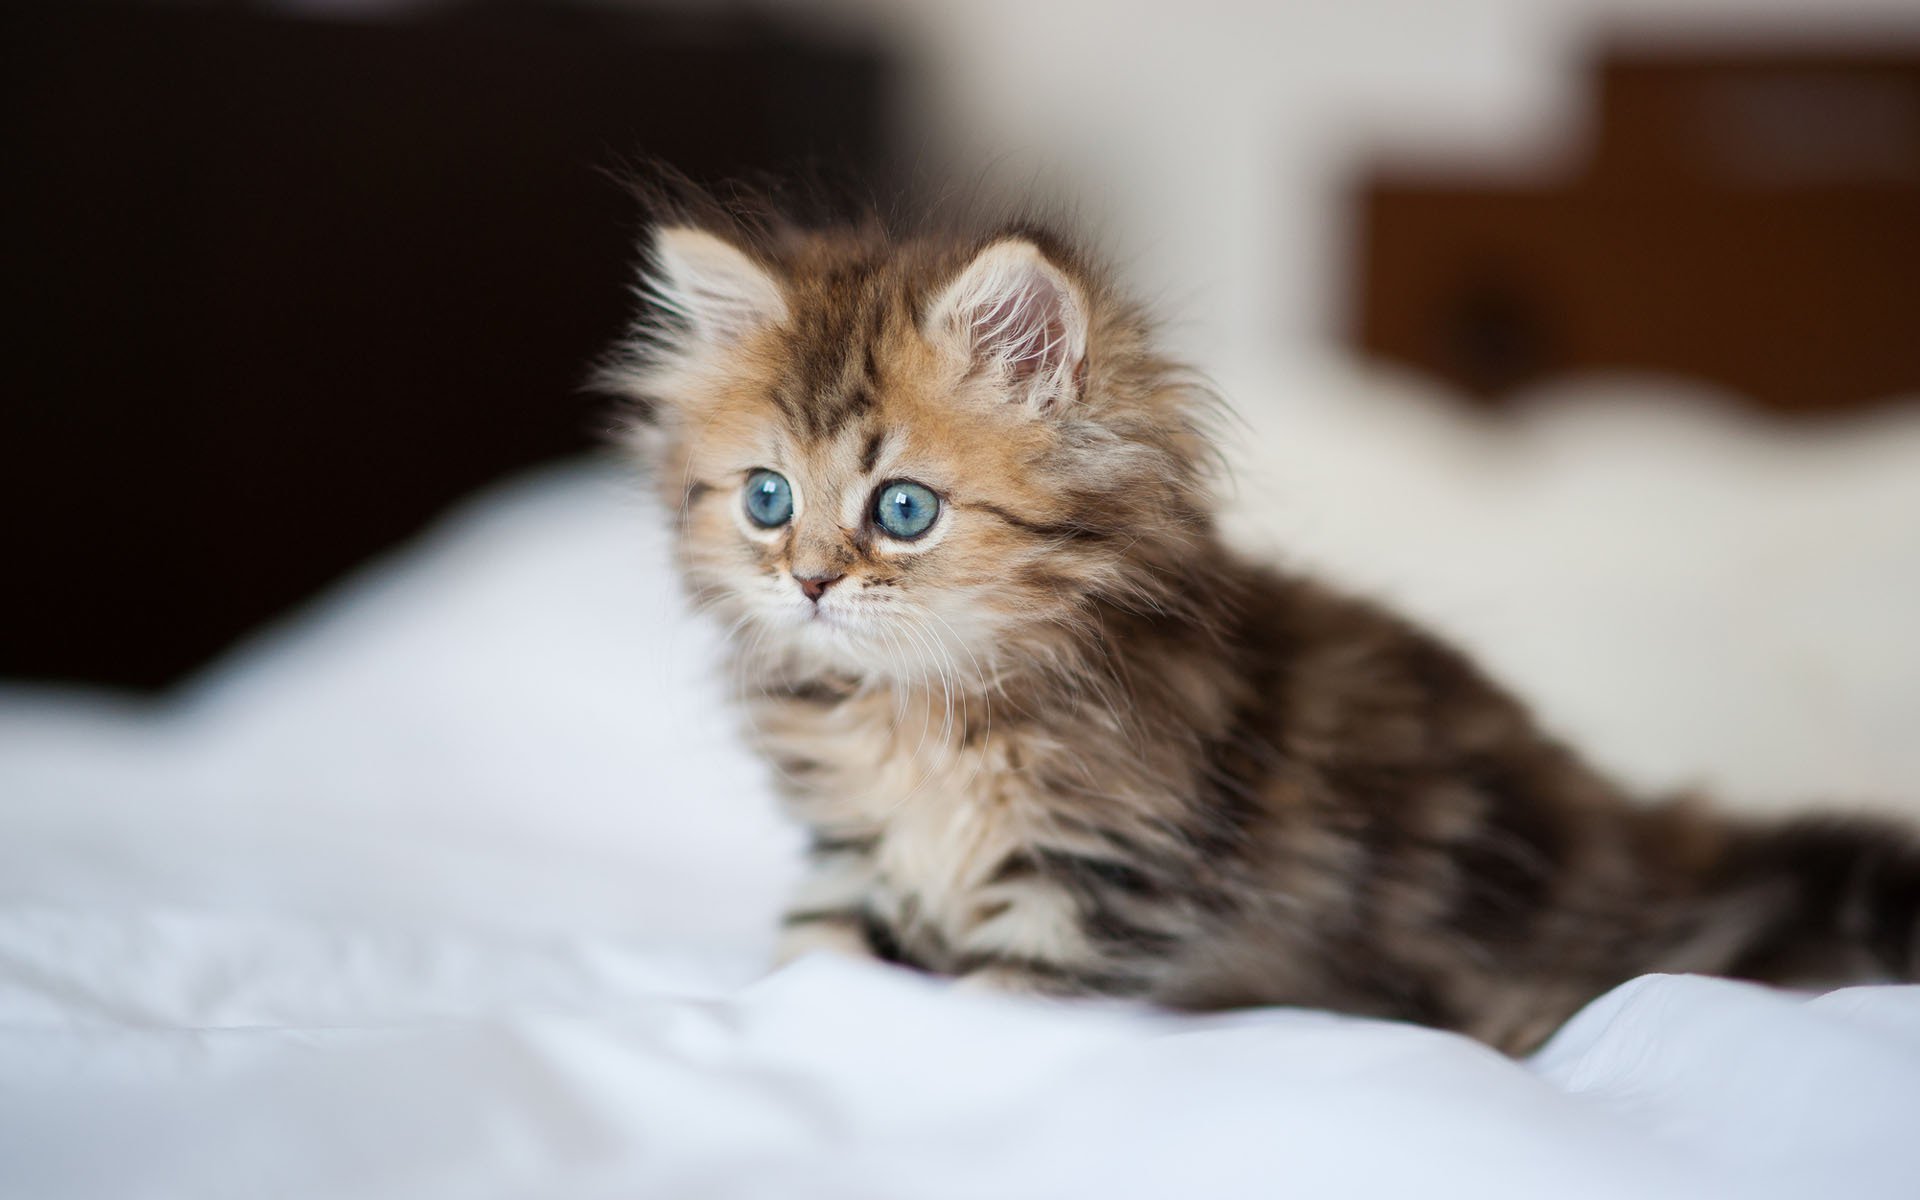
[1069,743]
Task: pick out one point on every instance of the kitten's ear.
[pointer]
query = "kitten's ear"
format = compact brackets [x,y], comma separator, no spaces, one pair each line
[711,286]
[1016,315]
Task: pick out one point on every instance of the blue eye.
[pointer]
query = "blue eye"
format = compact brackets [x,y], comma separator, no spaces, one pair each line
[905,509]
[769,499]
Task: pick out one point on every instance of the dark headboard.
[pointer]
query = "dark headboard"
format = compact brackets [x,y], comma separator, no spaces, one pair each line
[279,290]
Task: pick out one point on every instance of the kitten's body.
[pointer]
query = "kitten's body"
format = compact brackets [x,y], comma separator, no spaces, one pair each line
[1065,741]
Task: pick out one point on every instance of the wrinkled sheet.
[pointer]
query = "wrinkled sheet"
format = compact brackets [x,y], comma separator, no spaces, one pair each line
[194,1056]
[458,885]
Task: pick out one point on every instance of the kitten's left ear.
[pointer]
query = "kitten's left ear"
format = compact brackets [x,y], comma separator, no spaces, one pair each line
[1012,313]
[714,287]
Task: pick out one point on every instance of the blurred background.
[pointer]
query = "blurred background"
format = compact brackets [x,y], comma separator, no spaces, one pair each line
[1588,330]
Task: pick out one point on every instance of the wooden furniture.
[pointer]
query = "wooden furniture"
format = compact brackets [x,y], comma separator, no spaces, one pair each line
[1748,219]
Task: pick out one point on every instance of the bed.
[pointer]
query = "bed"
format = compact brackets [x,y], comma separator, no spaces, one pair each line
[455,884]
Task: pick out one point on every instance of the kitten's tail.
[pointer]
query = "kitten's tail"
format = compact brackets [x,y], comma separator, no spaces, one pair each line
[1815,899]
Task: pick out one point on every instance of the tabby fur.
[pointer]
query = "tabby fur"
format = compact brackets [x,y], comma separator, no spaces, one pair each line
[1070,743]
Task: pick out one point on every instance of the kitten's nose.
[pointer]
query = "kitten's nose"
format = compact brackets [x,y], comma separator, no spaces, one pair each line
[815,586]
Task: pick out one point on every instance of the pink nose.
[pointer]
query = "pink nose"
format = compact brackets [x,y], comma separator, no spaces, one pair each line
[815,586]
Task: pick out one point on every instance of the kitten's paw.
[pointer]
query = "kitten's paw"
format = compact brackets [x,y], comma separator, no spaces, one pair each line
[834,937]
[1007,981]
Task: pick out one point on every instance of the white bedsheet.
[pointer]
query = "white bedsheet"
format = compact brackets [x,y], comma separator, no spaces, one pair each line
[459,886]
[186,1055]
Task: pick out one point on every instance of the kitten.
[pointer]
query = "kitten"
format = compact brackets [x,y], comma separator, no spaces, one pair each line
[1049,734]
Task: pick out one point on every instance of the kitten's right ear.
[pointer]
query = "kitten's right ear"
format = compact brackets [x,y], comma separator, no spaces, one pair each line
[1015,314]
[710,288]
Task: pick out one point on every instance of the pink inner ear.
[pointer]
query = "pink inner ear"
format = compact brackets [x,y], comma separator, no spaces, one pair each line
[1025,328]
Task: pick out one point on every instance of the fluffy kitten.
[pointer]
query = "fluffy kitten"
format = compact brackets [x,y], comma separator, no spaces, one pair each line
[1049,734]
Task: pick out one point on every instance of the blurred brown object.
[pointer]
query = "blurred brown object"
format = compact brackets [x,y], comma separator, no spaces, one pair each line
[280,289]
[1751,219]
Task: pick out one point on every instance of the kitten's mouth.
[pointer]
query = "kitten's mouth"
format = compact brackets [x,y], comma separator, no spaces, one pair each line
[820,616]
[842,627]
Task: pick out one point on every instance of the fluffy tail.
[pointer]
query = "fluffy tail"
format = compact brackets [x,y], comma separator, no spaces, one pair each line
[1819,899]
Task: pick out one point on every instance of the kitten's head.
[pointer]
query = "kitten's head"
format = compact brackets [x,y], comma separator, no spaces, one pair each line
[892,456]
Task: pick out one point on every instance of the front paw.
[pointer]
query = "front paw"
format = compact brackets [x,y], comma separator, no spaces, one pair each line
[1006,981]
[834,936]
